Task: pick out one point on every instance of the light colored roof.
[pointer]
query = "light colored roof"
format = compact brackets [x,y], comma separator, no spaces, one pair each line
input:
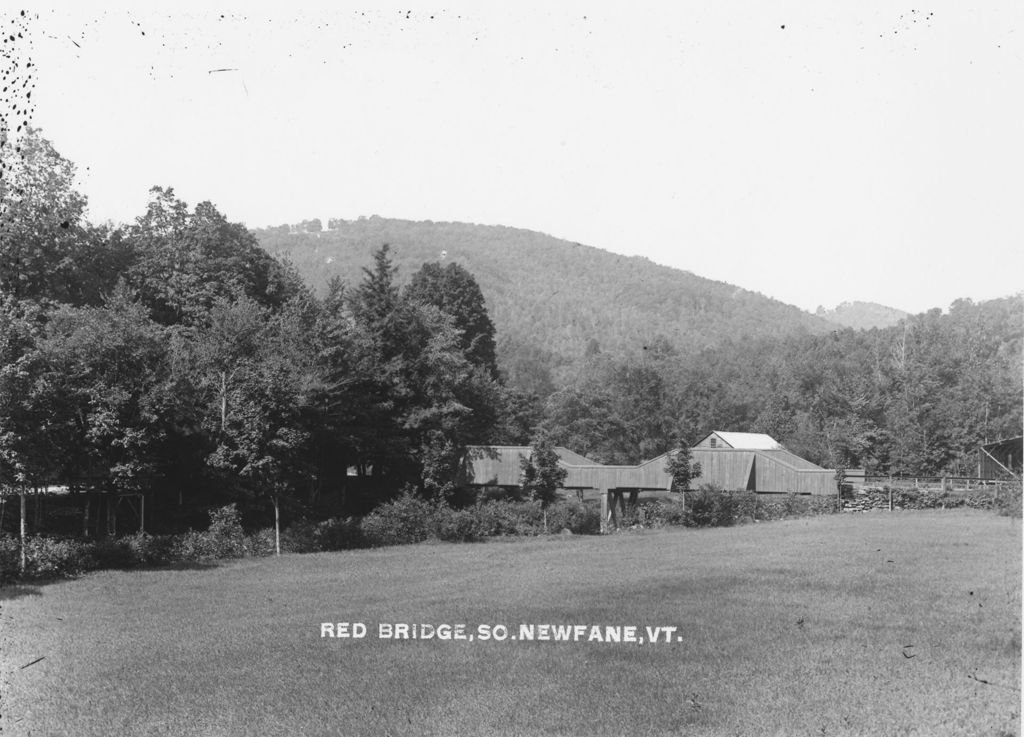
[749,440]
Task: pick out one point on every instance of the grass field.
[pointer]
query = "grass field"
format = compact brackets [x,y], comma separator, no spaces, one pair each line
[889,624]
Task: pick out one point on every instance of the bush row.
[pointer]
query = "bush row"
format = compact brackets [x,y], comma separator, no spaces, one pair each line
[710,507]
[407,519]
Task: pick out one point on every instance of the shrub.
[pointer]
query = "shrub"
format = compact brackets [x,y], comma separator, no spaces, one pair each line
[340,534]
[456,525]
[500,518]
[710,507]
[261,543]
[51,557]
[190,547]
[112,553]
[1008,503]
[10,558]
[790,505]
[576,517]
[225,538]
[674,512]
[300,537]
[748,505]
[150,550]
[406,519]
[822,505]
[645,513]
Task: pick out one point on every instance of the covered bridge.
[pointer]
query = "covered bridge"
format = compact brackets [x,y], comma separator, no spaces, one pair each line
[730,461]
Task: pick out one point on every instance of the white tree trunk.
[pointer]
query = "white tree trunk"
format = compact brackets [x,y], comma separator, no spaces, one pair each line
[24,523]
[223,400]
[277,526]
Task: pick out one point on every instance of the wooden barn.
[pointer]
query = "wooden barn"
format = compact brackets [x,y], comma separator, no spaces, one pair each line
[730,461]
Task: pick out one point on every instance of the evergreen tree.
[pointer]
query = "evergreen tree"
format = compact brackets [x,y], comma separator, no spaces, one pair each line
[542,474]
[455,291]
[681,467]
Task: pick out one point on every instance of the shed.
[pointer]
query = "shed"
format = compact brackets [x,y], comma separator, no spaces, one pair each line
[1001,458]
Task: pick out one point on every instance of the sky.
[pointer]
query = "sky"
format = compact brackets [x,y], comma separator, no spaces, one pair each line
[816,152]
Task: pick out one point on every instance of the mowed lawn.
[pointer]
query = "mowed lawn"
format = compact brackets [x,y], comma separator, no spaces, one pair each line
[883,623]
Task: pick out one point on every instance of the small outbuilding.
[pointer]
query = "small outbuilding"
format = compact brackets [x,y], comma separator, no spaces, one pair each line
[1001,459]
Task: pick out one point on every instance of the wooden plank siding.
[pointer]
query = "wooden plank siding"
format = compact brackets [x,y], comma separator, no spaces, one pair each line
[775,475]
[650,475]
[725,468]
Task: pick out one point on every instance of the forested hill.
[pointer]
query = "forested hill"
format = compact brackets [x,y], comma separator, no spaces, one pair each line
[863,315]
[551,294]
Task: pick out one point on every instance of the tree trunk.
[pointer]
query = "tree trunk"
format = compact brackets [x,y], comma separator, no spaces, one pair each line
[24,531]
[277,525]
[85,518]
[223,400]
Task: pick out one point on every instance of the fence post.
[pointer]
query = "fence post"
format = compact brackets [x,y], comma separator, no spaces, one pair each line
[890,498]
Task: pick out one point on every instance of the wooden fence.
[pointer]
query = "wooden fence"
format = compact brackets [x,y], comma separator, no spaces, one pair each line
[936,483]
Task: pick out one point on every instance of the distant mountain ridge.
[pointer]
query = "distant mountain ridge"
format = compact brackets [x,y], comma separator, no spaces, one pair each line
[548,292]
[862,315]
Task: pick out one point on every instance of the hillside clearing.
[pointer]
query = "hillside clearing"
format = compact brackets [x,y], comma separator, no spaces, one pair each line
[853,624]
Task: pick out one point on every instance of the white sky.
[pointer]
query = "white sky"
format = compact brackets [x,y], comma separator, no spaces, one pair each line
[865,150]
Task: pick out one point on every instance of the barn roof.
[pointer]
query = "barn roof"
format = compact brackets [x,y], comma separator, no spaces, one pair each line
[748,440]
[1006,444]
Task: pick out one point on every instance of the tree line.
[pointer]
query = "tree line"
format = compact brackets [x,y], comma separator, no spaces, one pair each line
[175,355]
[914,399]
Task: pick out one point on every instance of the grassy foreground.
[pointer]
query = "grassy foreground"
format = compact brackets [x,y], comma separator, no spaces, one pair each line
[894,624]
